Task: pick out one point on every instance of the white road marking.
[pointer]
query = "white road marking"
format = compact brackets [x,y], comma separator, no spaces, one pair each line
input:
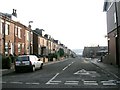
[72,62]
[56,81]
[16,82]
[53,82]
[90,83]
[65,68]
[32,83]
[36,83]
[69,64]
[105,83]
[71,82]
[90,73]
[82,72]
[109,82]
[54,76]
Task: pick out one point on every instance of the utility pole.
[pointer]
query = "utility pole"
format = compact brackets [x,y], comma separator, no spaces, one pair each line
[117,38]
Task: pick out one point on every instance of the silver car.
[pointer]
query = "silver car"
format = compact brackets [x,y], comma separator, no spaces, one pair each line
[28,62]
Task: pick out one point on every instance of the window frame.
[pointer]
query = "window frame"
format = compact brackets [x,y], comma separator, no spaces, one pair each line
[19,32]
[7,28]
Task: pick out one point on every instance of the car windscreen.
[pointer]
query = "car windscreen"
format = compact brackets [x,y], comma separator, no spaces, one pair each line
[24,58]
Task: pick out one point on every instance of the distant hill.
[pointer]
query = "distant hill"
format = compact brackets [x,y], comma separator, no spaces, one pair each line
[78,51]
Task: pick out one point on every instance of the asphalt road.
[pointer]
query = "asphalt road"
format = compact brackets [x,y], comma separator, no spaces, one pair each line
[70,73]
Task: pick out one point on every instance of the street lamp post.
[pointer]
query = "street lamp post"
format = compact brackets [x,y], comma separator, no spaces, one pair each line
[30,48]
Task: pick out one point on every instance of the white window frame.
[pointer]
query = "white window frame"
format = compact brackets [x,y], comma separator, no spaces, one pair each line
[6,48]
[115,21]
[19,32]
[16,31]
[23,45]
[19,47]
[27,37]
[1,26]
[7,28]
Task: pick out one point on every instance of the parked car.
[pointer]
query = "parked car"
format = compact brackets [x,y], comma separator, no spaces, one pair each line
[28,62]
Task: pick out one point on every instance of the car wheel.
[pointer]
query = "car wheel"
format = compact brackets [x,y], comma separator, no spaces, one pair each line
[41,66]
[33,68]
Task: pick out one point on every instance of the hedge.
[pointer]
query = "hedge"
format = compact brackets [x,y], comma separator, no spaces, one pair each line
[6,62]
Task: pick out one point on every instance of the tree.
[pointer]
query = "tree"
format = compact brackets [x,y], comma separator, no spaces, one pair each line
[61,52]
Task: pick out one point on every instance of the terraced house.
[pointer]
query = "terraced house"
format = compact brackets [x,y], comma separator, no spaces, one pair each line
[13,35]
[112,9]
[18,39]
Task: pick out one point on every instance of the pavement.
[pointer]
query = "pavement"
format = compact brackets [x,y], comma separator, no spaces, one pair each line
[108,68]
[111,69]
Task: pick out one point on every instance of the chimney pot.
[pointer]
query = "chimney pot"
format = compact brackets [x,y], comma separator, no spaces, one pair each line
[14,13]
[15,10]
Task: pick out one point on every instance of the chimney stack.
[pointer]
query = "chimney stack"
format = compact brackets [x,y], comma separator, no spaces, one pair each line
[14,13]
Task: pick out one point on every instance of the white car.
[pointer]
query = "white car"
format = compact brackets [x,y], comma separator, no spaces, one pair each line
[29,62]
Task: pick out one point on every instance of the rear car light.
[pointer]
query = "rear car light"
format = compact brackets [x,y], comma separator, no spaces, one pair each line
[17,63]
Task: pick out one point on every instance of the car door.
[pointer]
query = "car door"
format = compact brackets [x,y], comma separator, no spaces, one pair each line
[32,59]
[37,62]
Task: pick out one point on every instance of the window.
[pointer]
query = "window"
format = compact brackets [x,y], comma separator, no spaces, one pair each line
[6,48]
[23,45]
[7,29]
[24,58]
[2,27]
[19,47]
[19,32]
[27,35]
[2,30]
[16,31]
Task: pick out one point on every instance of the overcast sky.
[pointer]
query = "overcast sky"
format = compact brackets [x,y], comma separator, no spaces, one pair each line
[75,23]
